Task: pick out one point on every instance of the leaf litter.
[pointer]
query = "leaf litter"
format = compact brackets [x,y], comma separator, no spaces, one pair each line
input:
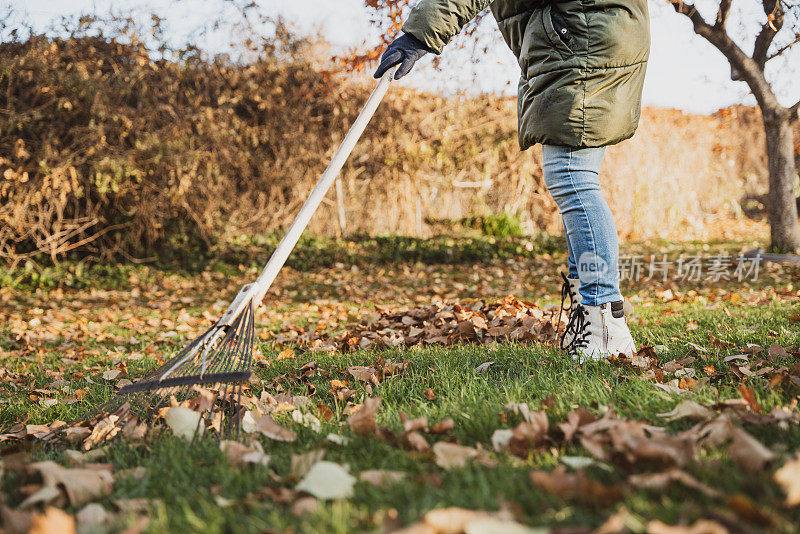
[628,445]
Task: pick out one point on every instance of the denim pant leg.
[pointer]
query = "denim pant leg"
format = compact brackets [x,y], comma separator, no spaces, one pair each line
[572,176]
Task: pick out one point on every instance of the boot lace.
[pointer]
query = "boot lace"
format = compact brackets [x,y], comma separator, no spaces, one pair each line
[566,292]
[576,330]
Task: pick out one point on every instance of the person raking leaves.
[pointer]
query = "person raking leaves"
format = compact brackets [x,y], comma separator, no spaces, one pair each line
[582,65]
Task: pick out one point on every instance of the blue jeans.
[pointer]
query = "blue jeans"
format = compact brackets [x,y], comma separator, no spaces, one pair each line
[572,176]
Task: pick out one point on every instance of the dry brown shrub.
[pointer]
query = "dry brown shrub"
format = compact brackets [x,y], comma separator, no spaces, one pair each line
[105,151]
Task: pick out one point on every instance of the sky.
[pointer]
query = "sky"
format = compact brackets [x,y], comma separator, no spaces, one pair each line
[684,71]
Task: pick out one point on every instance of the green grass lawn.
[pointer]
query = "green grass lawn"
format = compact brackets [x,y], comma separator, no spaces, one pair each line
[192,487]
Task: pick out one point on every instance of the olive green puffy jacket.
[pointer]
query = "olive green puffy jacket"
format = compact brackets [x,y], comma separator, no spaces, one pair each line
[583,62]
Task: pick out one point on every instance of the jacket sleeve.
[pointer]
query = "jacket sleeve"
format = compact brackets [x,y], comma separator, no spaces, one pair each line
[435,22]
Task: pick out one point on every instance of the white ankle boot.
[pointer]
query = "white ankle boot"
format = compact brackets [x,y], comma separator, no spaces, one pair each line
[597,332]
[572,285]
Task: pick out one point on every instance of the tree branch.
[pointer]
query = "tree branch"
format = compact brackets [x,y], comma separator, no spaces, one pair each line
[784,48]
[723,13]
[775,16]
[743,65]
[794,113]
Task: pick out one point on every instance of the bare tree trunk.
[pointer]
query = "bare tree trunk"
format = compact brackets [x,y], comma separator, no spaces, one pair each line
[782,207]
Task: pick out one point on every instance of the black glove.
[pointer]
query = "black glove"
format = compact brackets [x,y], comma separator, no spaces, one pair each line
[404,51]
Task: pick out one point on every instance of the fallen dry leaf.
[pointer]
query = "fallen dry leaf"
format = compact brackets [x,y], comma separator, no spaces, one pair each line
[450,455]
[529,435]
[416,424]
[363,421]
[788,477]
[748,452]
[52,521]
[575,419]
[239,454]
[661,481]
[111,374]
[495,525]
[443,427]
[184,422]
[750,397]
[327,480]
[688,409]
[93,514]
[302,463]
[305,505]
[576,487]
[416,441]
[381,477]
[483,368]
[81,485]
[364,374]
[453,519]
[16,521]
[702,526]
[268,427]
[500,439]
[78,458]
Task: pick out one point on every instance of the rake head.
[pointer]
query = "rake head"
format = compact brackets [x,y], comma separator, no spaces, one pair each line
[206,376]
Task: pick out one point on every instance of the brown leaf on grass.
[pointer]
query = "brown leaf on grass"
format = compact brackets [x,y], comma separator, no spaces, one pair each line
[363,421]
[522,409]
[52,521]
[749,396]
[78,458]
[575,420]
[15,521]
[81,485]
[268,427]
[76,434]
[18,431]
[287,354]
[688,409]
[327,480]
[576,487]
[111,374]
[239,454]
[364,374]
[302,463]
[104,430]
[747,509]
[451,455]
[453,519]
[716,432]
[37,431]
[381,477]
[416,441]
[616,523]
[702,526]
[634,445]
[788,478]
[443,427]
[661,481]
[304,506]
[775,351]
[529,434]
[748,452]
[93,515]
[429,394]
[414,425]
[184,422]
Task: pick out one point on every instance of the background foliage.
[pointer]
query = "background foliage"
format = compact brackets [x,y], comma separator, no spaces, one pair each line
[110,150]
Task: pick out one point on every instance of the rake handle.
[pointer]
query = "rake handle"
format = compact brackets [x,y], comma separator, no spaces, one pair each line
[258,289]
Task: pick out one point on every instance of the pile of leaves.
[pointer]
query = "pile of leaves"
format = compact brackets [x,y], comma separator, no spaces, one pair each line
[441,323]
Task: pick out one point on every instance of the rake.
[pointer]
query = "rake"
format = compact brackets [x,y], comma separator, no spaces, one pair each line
[217,364]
